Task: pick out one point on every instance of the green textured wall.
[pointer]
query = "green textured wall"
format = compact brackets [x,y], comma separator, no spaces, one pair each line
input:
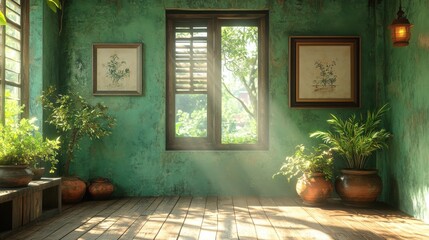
[406,89]
[134,156]
[43,55]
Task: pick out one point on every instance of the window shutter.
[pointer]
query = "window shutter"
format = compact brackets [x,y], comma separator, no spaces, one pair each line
[190,56]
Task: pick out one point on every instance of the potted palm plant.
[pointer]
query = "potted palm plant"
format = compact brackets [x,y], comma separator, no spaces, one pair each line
[75,118]
[314,172]
[355,140]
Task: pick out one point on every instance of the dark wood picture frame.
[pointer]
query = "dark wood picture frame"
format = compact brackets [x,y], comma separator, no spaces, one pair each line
[324,72]
[117,68]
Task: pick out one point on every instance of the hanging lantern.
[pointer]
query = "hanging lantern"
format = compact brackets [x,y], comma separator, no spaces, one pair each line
[401,29]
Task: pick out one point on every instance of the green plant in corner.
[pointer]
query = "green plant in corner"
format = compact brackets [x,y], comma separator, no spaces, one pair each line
[75,118]
[21,143]
[355,139]
[305,162]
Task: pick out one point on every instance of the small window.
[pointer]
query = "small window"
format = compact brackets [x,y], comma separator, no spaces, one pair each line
[13,44]
[217,80]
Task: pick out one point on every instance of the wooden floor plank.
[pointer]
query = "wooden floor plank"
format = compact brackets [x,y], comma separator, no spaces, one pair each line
[146,209]
[157,219]
[194,219]
[86,231]
[171,228]
[121,219]
[307,226]
[379,223]
[68,212]
[356,228]
[223,218]
[264,229]
[209,225]
[278,217]
[227,227]
[335,227]
[72,220]
[245,227]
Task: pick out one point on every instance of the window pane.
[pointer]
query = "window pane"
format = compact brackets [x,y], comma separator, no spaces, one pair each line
[13,93]
[12,77]
[13,12]
[13,43]
[191,115]
[12,65]
[13,32]
[13,54]
[239,50]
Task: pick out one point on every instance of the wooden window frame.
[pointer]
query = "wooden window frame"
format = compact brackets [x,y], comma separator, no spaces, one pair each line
[215,20]
[24,84]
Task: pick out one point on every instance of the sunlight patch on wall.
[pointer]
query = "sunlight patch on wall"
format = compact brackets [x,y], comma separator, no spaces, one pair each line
[421,203]
[424,41]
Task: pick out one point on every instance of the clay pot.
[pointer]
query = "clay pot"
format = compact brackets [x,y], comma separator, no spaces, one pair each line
[100,189]
[72,189]
[38,173]
[13,176]
[314,189]
[358,187]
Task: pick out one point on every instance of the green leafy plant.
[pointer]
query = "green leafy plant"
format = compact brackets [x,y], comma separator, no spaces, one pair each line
[75,118]
[306,162]
[355,139]
[21,143]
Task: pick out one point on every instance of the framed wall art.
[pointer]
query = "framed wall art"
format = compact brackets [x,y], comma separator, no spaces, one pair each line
[117,69]
[324,72]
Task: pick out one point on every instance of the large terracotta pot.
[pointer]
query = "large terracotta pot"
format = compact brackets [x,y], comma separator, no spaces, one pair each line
[12,176]
[100,189]
[358,187]
[72,189]
[314,189]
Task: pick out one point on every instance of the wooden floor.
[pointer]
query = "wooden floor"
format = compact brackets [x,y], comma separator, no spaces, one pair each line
[222,218]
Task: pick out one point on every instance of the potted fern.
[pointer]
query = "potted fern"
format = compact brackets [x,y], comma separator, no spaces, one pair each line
[314,172]
[355,140]
[75,118]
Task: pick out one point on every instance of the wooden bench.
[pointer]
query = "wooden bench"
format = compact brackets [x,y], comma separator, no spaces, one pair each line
[19,206]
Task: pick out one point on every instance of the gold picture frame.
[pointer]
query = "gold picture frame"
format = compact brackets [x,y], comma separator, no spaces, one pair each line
[117,69]
[324,72]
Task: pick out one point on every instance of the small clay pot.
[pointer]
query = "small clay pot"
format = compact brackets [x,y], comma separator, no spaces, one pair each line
[314,189]
[72,189]
[101,189]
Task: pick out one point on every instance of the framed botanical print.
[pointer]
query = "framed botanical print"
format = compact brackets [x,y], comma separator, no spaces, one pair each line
[324,72]
[117,69]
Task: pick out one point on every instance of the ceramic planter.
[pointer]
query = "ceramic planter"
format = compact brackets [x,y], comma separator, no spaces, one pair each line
[314,189]
[100,189]
[12,176]
[358,187]
[73,189]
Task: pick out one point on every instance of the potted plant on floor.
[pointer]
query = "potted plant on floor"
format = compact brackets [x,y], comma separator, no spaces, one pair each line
[314,172]
[355,140]
[21,144]
[75,118]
